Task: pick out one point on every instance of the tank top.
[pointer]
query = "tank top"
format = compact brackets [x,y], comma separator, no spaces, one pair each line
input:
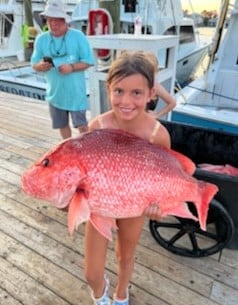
[152,136]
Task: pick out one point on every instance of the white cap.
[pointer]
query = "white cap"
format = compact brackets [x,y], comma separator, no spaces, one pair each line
[56,9]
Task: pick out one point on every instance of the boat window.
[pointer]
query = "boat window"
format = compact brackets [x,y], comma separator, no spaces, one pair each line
[171,31]
[130,6]
[186,34]
[6,21]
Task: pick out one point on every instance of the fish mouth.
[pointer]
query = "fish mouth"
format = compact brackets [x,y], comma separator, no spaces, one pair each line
[59,199]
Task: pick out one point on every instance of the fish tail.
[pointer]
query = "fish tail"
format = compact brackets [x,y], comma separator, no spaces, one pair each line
[208,191]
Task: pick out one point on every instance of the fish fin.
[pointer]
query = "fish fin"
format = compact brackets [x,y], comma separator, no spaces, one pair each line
[208,190]
[103,225]
[183,211]
[78,212]
[187,164]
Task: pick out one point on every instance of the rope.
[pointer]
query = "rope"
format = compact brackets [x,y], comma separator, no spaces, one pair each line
[213,93]
[178,89]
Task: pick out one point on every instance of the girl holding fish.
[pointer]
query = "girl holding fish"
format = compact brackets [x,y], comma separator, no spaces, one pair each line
[130,85]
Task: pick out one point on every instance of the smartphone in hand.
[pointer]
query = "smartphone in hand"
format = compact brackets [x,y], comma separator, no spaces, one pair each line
[48,59]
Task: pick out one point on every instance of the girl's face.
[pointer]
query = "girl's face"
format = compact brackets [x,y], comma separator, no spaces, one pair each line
[129,96]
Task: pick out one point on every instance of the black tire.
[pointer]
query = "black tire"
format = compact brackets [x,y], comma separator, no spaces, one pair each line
[184,236]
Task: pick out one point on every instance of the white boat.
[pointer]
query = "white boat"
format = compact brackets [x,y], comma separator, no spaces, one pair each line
[23,81]
[212,99]
[159,17]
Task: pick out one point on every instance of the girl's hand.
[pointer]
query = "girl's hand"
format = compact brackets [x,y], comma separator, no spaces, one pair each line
[154,114]
[153,212]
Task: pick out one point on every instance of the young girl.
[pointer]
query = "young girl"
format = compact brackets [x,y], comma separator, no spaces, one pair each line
[130,85]
[160,92]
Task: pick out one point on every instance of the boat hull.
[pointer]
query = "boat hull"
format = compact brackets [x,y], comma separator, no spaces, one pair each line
[187,66]
[207,122]
[212,99]
[23,90]
[23,81]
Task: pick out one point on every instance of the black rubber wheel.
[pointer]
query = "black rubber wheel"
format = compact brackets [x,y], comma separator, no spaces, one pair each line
[184,236]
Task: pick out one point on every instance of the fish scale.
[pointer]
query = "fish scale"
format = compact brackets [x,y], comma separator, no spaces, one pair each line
[108,174]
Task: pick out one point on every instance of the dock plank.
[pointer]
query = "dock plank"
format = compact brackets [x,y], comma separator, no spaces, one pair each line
[225,295]
[42,270]
[7,298]
[23,288]
[40,264]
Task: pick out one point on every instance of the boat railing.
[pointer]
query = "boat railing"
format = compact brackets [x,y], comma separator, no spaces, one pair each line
[17,73]
[10,66]
[66,2]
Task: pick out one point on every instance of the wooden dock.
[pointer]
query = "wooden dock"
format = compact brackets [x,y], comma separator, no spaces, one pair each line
[41,265]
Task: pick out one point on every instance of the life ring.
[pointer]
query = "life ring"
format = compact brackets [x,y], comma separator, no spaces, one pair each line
[100,23]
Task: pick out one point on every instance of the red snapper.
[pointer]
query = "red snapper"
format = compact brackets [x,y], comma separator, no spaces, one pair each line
[108,174]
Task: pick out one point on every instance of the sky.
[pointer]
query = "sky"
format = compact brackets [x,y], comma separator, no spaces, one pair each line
[200,5]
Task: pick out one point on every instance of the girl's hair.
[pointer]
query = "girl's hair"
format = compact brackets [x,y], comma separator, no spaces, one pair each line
[130,63]
[151,56]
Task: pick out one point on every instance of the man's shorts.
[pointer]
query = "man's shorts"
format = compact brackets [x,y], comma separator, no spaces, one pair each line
[60,118]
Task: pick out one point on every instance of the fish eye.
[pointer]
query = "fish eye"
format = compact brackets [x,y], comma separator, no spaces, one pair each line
[45,162]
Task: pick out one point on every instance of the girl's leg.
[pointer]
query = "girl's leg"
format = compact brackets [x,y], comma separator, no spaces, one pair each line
[129,231]
[95,257]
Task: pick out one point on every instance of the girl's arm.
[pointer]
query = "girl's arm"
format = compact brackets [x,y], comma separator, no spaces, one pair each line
[167,98]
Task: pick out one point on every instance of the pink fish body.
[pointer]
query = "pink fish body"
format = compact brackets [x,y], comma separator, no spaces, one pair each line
[221,169]
[109,174]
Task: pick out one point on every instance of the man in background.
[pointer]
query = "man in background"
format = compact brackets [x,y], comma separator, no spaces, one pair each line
[63,54]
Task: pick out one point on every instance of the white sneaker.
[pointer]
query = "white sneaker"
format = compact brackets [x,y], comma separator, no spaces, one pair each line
[104,299]
[121,302]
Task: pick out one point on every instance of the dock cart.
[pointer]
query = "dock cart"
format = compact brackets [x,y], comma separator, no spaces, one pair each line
[184,236]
